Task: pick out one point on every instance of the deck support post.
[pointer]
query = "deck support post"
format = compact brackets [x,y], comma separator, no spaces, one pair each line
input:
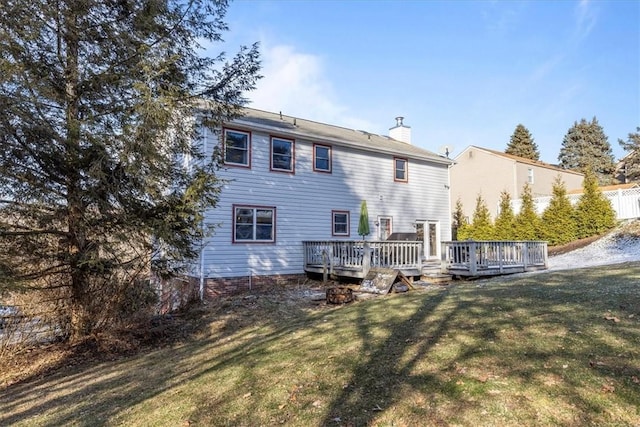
[473,258]
[366,258]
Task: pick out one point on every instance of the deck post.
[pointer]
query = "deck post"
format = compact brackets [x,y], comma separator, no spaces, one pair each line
[366,258]
[525,255]
[473,258]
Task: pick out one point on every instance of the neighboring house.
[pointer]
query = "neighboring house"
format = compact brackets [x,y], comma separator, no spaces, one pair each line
[291,180]
[623,168]
[480,171]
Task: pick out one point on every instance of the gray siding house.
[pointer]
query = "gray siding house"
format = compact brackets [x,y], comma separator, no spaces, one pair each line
[290,180]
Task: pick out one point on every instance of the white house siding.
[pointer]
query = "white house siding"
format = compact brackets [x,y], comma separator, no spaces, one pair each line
[304,202]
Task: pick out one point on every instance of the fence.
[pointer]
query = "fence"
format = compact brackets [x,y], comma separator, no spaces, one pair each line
[626,203]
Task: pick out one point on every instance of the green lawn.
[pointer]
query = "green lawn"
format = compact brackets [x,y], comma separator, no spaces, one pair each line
[560,348]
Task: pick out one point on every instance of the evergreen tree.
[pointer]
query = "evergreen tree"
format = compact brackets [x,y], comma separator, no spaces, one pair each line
[459,220]
[527,222]
[594,213]
[558,219]
[97,101]
[632,159]
[505,222]
[480,227]
[586,147]
[522,144]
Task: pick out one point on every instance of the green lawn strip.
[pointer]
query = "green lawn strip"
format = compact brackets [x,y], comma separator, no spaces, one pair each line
[557,348]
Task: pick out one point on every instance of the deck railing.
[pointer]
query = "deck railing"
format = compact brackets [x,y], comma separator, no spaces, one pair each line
[350,254]
[465,258]
[474,258]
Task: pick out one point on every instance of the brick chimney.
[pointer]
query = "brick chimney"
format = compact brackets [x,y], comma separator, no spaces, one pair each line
[400,131]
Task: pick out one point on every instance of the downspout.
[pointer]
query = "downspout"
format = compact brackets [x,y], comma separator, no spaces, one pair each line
[202,244]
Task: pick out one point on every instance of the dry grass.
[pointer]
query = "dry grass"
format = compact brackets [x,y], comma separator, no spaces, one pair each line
[547,349]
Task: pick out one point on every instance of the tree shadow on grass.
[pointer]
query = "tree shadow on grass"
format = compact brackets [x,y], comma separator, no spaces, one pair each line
[546,334]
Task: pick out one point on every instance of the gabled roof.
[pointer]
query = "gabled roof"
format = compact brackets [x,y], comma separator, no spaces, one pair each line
[284,125]
[525,161]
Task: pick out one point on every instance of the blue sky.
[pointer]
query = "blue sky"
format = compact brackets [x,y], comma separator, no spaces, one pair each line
[460,72]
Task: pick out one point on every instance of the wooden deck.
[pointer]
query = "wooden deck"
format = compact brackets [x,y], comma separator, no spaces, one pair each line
[491,258]
[349,258]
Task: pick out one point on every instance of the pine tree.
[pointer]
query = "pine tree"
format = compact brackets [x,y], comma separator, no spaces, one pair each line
[527,222]
[97,101]
[558,219]
[505,222]
[586,147]
[522,144]
[459,221]
[594,213]
[481,227]
[632,159]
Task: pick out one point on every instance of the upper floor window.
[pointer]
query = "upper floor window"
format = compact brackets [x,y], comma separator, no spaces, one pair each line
[321,158]
[400,167]
[282,155]
[340,223]
[237,148]
[254,224]
[530,176]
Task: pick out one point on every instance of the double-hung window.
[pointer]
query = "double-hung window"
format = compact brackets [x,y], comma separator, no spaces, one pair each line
[237,148]
[321,158]
[400,169]
[340,223]
[282,155]
[254,224]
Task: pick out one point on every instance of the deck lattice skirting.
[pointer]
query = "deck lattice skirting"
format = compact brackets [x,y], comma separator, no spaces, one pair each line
[349,258]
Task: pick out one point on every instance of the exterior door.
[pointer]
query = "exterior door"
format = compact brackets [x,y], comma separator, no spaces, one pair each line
[429,233]
[385,227]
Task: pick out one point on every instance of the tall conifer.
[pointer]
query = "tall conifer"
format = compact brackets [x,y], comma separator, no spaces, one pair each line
[558,219]
[521,144]
[527,222]
[594,213]
[98,106]
[505,222]
[586,147]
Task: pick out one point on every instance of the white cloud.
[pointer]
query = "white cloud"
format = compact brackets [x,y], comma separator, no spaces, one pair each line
[586,18]
[295,84]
